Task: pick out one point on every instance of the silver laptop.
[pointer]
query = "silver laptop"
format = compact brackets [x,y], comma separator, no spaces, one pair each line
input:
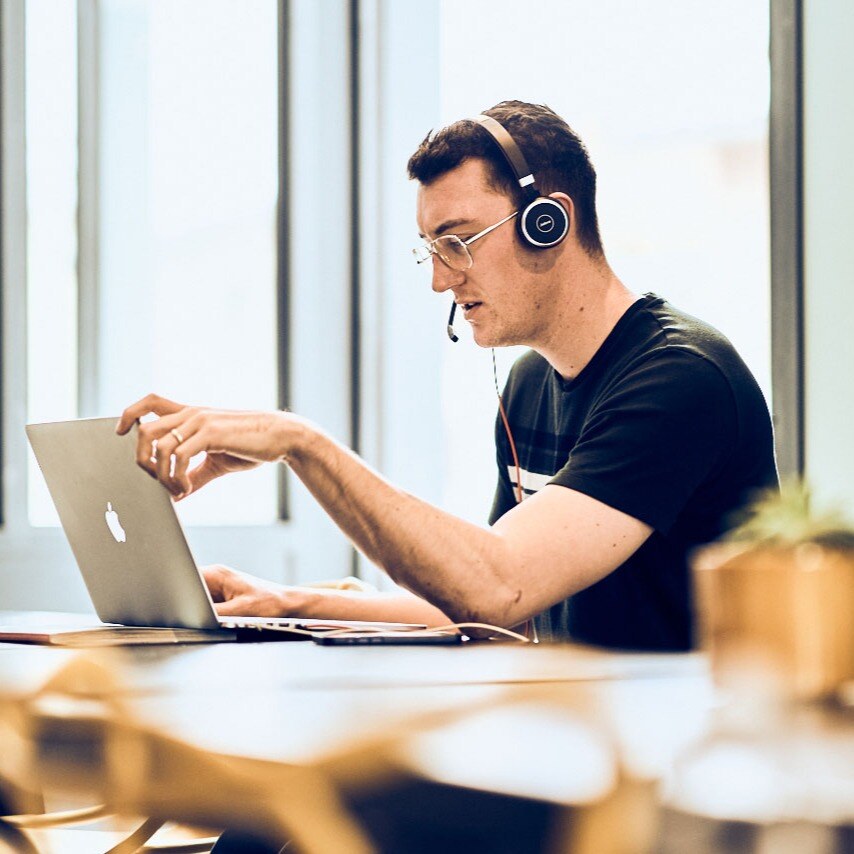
[126,537]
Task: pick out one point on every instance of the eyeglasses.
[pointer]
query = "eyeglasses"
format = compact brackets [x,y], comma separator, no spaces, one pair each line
[453,250]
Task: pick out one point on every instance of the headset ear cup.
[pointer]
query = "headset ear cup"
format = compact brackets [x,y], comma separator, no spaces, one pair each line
[543,223]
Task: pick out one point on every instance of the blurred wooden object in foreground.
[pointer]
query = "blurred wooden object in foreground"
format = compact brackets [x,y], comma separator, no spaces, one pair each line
[549,749]
[783,614]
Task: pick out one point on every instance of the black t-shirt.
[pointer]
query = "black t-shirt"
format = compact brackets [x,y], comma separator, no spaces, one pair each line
[665,423]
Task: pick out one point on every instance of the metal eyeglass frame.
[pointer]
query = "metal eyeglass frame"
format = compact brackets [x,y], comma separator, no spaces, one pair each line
[431,247]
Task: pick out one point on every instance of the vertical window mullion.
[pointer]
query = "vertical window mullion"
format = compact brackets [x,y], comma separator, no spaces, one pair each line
[13,249]
[355,232]
[355,248]
[283,302]
[88,333]
[787,266]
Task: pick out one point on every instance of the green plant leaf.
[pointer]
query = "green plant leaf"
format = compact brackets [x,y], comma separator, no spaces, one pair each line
[788,516]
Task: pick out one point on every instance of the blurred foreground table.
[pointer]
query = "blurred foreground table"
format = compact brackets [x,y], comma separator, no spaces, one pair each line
[491,746]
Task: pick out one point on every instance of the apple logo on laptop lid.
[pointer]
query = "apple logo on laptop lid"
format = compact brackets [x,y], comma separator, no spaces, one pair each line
[114,524]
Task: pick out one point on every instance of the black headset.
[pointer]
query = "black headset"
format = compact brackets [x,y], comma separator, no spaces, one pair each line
[542,222]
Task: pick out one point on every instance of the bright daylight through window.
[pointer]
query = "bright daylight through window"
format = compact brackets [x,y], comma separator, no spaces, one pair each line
[179,162]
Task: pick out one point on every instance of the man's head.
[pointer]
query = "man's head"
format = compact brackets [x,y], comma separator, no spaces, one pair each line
[510,292]
[556,155]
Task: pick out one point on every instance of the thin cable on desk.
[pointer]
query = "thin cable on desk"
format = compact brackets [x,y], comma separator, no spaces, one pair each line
[497,629]
[344,632]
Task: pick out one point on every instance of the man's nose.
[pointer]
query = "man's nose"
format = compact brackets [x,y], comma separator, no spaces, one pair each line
[445,278]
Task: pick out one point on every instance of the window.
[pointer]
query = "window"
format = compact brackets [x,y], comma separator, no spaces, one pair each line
[157,184]
[181,195]
[159,138]
[51,237]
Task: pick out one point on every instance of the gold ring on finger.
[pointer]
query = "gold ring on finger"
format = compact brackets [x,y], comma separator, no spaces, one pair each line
[178,436]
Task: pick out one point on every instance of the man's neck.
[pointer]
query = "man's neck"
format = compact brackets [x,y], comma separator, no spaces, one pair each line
[591,301]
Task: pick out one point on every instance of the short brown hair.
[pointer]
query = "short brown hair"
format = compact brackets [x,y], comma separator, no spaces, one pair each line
[555,153]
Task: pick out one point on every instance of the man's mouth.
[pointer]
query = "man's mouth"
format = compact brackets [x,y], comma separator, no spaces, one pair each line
[468,306]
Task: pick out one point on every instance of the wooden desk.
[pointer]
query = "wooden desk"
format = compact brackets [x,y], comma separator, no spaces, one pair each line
[546,724]
[288,701]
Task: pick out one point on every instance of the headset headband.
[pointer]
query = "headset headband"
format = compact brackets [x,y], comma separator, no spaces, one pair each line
[512,153]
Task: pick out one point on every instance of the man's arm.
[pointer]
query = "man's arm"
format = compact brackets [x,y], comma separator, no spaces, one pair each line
[554,544]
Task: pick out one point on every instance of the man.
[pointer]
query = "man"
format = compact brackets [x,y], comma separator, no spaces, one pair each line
[639,429]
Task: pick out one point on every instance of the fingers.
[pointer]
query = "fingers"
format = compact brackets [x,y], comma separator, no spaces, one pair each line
[157,449]
[232,440]
[153,452]
[239,606]
[173,462]
[194,479]
[151,403]
[255,602]
[166,456]
[237,594]
[214,583]
[219,580]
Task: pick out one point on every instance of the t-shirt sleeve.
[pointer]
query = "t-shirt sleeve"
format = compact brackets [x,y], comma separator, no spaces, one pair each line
[654,437]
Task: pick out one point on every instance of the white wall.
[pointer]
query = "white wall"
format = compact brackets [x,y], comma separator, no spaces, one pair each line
[829,236]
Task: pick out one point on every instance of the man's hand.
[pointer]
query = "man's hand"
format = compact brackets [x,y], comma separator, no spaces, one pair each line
[231,441]
[237,594]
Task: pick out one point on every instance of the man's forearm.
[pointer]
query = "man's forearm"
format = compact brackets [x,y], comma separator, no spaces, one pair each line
[397,607]
[447,561]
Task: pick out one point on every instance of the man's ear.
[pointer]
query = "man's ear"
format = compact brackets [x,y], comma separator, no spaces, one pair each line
[566,201]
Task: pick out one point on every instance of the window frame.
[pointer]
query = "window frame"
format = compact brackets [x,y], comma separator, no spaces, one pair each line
[786,167]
